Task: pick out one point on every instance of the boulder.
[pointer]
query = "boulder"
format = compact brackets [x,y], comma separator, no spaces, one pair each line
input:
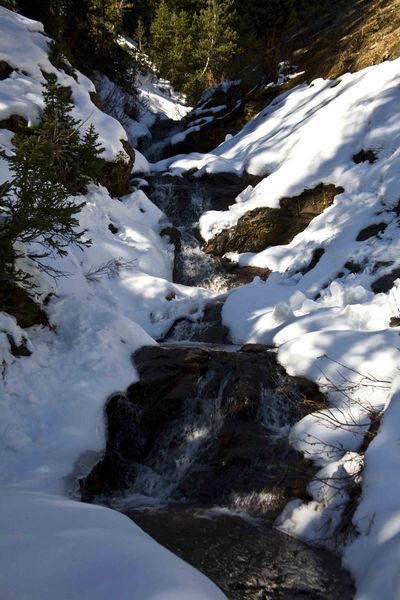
[263,227]
[206,424]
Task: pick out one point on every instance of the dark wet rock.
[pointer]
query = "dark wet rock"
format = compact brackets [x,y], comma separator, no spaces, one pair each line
[316,257]
[247,560]
[253,348]
[214,334]
[175,238]
[222,179]
[386,282]
[173,235]
[5,70]
[263,227]
[394,322]
[243,275]
[371,231]
[222,189]
[112,228]
[209,329]
[365,156]
[352,266]
[18,349]
[15,123]
[208,424]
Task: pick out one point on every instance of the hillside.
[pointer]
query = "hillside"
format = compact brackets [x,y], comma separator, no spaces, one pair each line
[346,36]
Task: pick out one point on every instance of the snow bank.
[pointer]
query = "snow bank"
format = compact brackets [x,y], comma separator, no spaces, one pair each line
[374,556]
[157,95]
[52,547]
[155,99]
[309,135]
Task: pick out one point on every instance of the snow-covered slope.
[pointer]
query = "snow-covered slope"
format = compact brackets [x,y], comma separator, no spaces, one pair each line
[155,98]
[324,316]
[111,301]
[155,93]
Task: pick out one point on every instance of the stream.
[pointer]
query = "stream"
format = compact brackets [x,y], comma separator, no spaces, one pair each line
[197,451]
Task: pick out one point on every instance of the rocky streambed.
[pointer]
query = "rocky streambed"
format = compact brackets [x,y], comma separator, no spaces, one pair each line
[247,559]
[198,450]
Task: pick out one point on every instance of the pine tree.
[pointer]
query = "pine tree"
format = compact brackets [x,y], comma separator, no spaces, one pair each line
[59,131]
[218,39]
[181,54]
[193,51]
[36,209]
[48,164]
[89,151]
[140,36]
[161,35]
[74,162]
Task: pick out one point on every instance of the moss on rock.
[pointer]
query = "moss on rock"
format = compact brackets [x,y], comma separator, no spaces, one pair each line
[263,227]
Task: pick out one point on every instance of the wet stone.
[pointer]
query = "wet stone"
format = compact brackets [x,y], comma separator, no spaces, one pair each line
[385,283]
[365,156]
[206,424]
[371,231]
[5,70]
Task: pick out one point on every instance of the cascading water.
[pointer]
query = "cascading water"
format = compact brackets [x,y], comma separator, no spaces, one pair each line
[184,202]
[211,424]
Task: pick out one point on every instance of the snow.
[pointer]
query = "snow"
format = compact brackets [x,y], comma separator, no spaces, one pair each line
[159,98]
[156,99]
[115,297]
[378,514]
[156,94]
[86,551]
[324,126]
[52,412]
[141,164]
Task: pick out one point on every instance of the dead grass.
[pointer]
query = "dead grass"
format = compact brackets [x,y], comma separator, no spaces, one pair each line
[347,36]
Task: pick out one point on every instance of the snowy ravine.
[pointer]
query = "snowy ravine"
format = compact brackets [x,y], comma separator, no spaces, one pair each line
[326,323]
[51,403]
[322,315]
